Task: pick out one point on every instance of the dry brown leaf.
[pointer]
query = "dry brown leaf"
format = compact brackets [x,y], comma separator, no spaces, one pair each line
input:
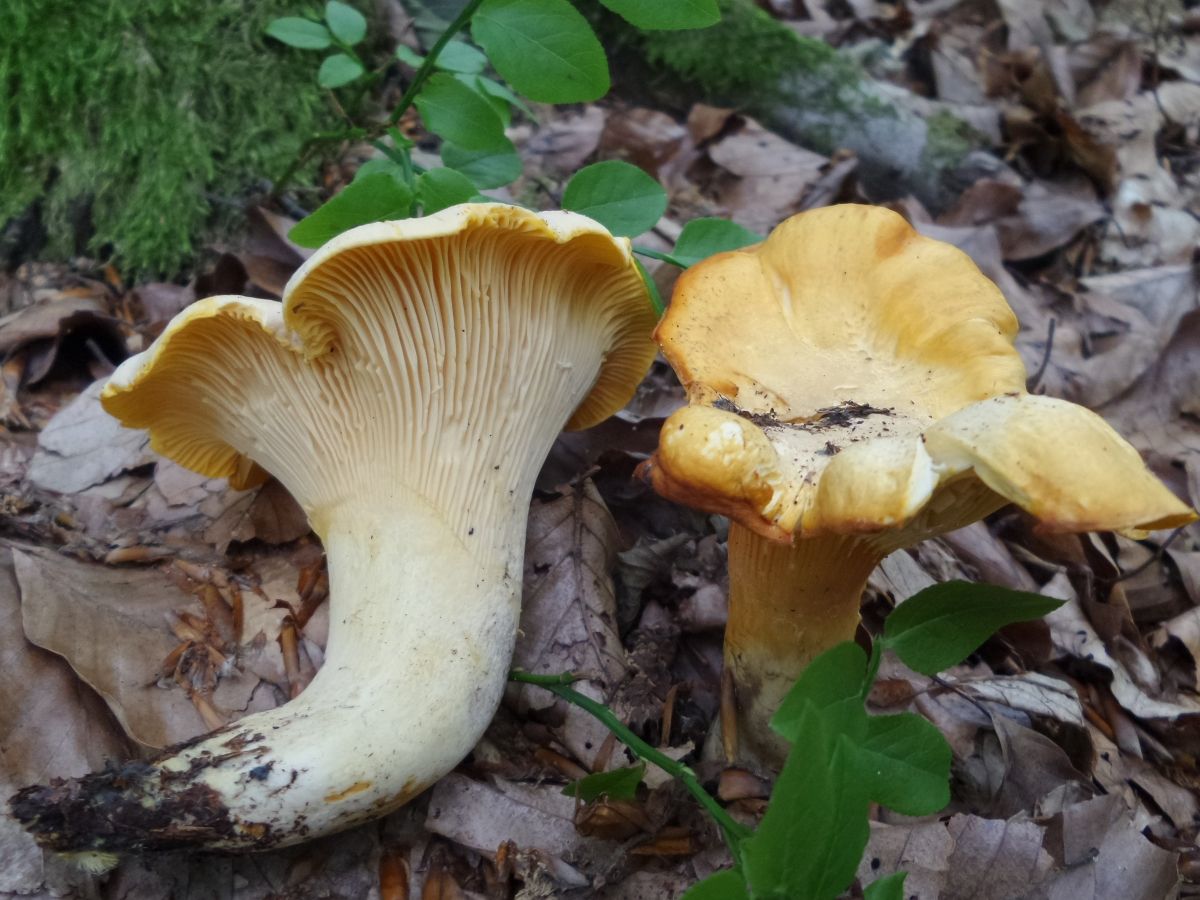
[922,850]
[569,609]
[112,626]
[50,725]
[483,817]
[772,175]
[994,859]
[83,445]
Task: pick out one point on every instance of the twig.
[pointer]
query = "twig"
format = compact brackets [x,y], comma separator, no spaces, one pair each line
[1036,380]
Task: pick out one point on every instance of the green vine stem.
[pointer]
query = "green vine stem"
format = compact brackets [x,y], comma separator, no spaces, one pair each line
[733,831]
[410,94]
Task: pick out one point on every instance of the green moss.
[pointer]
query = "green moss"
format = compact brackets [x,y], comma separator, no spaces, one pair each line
[744,57]
[948,140]
[158,117]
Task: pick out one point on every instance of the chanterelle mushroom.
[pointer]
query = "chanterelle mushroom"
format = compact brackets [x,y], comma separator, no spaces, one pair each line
[406,392]
[853,389]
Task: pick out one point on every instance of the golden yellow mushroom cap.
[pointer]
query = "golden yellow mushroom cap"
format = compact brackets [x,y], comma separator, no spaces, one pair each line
[847,374]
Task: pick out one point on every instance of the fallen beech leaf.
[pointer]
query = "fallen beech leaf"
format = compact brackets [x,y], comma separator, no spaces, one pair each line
[111,625]
[83,445]
[994,859]
[50,726]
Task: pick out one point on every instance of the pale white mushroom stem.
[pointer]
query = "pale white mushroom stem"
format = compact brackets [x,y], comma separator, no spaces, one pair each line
[406,393]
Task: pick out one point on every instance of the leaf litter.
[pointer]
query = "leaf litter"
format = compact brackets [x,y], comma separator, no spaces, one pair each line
[146,604]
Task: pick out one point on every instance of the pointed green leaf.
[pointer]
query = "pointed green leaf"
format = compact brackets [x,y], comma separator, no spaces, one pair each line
[346,22]
[701,238]
[491,167]
[297,32]
[338,70]
[906,762]
[813,834]
[496,89]
[439,188]
[619,196]
[459,56]
[889,888]
[944,624]
[544,48]
[666,15]
[619,784]
[453,111]
[725,885]
[837,675]
[499,106]
[409,56]
[382,164]
[375,198]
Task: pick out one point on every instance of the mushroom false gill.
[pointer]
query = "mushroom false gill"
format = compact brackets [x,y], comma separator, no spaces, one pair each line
[852,390]
[406,392]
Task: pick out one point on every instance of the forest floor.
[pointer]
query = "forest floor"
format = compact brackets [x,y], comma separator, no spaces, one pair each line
[144,604]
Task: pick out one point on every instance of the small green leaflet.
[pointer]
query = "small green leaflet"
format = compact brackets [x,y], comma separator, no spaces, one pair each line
[375,198]
[813,834]
[439,188]
[491,167]
[338,70]
[906,762]
[656,299]
[297,32]
[889,888]
[619,196]
[726,885]
[701,238]
[544,48]
[837,675]
[619,784]
[456,56]
[944,624]
[453,111]
[666,15]
[346,22]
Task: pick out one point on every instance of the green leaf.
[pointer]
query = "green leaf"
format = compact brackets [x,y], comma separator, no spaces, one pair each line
[409,56]
[813,834]
[656,299]
[701,238]
[889,888]
[439,188]
[544,48]
[837,675]
[491,167]
[375,198]
[496,89]
[906,761]
[459,56]
[499,106]
[297,32]
[942,625]
[456,113]
[382,164]
[346,22]
[725,885]
[338,70]
[619,784]
[621,197]
[666,15]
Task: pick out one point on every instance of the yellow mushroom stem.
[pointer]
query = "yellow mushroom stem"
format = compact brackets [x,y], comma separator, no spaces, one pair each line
[790,602]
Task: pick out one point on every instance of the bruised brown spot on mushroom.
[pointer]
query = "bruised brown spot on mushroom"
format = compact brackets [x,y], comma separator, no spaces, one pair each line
[357,788]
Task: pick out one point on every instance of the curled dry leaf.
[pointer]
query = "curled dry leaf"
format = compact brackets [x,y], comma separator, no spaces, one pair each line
[569,611]
[83,445]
